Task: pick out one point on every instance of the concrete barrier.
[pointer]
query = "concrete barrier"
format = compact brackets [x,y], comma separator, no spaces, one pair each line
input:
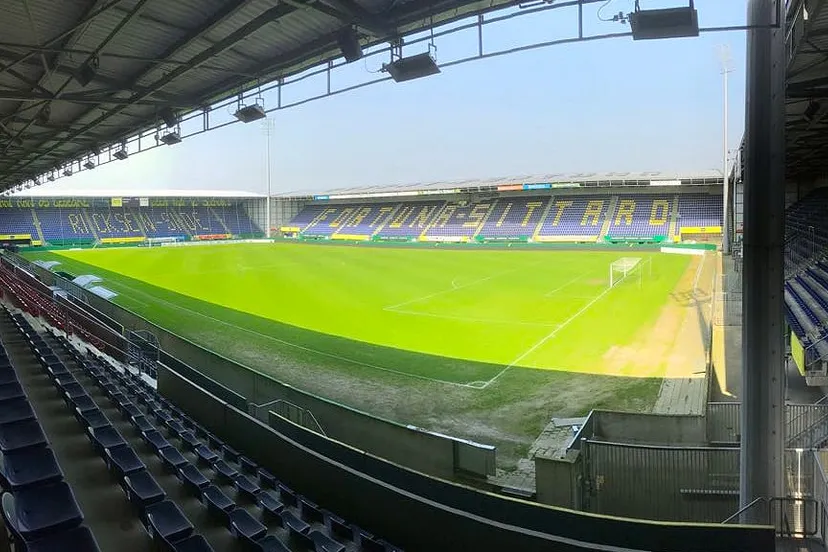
[419,512]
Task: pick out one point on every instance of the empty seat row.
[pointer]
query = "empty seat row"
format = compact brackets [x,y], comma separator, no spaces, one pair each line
[161,423]
[39,508]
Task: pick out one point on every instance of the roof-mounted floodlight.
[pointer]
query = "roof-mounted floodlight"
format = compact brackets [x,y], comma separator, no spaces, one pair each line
[250,113]
[171,138]
[89,164]
[412,67]
[122,153]
[67,171]
[664,23]
[51,177]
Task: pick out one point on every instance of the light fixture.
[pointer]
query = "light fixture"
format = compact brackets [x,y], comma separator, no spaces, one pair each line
[250,113]
[89,164]
[121,154]
[51,177]
[664,22]
[412,67]
[171,138]
[67,171]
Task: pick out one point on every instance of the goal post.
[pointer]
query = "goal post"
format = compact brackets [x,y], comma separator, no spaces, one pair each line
[627,268]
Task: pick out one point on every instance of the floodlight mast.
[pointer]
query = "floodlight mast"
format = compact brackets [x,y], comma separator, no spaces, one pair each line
[268,125]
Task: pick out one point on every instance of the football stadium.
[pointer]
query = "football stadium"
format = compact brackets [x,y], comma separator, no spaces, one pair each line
[617,361]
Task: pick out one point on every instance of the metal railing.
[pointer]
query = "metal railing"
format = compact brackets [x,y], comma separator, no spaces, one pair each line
[286,409]
[791,517]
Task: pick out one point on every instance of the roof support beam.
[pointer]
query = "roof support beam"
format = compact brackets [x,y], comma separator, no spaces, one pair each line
[112,34]
[269,16]
[51,42]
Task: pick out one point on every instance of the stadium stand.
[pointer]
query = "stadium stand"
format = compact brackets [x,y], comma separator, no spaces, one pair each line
[514,217]
[410,220]
[806,274]
[576,218]
[641,217]
[83,222]
[560,218]
[184,485]
[457,220]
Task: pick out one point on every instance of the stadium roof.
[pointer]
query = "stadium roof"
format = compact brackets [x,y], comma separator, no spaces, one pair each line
[85,191]
[81,76]
[806,113]
[592,179]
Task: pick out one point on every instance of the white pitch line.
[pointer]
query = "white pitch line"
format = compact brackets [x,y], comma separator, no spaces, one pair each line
[549,336]
[559,288]
[289,344]
[472,319]
[453,288]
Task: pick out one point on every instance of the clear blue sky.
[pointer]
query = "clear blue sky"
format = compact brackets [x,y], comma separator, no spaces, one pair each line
[607,105]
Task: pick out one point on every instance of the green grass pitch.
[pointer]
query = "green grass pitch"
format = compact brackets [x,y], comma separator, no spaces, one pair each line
[513,335]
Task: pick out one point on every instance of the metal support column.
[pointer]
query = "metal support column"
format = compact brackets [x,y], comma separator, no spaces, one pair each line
[763,349]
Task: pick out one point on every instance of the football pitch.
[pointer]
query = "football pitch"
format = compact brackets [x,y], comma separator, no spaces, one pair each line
[386,329]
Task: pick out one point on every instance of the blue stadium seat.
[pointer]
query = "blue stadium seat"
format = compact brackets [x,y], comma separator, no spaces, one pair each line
[142,491]
[245,527]
[27,468]
[219,505]
[166,523]
[287,495]
[225,472]
[193,543]
[123,461]
[171,458]
[310,511]
[155,440]
[205,454]
[20,435]
[93,419]
[192,479]
[189,440]
[10,391]
[79,539]
[270,543]
[266,479]
[324,543]
[141,423]
[39,511]
[16,410]
[247,465]
[270,504]
[246,487]
[104,438]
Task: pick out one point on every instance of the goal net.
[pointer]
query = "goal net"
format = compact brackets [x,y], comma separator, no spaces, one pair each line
[629,269]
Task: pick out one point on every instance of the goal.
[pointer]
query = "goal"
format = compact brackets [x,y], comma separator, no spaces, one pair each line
[629,269]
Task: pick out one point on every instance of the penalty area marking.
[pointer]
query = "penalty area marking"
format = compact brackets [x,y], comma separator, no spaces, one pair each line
[456,287]
[549,336]
[473,319]
[296,346]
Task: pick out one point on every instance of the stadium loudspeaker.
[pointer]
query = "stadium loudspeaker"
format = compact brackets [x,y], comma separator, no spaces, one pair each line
[85,73]
[665,23]
[169,117]
[348,42]
[412,67]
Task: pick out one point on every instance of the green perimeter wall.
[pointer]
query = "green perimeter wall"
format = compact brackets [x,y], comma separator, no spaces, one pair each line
[426,513]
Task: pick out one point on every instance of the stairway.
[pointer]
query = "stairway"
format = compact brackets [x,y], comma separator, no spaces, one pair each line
[608,221]
[37,226]
[545,214]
